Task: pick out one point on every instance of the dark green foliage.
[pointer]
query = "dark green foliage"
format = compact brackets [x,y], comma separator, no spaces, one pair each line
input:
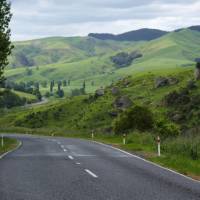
[47,94]
[51,86]
[44,84]
[64,83]
[9,99]
[137,117]
[23,87]
[77,92]
[5,43]
[177,98]
[37,93]
[84,85]
[33,120]
[60,93]
[124,59]
[37,85]
[198,65]
[167,129]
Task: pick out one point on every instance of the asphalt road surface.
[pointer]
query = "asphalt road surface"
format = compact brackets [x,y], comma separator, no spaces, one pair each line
[45,168]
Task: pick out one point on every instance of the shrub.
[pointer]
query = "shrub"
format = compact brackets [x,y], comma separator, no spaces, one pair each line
[167,129]
[9,99]
[136,117]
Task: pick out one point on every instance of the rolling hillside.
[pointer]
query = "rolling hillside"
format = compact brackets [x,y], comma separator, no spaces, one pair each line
[60,50]
[90,59]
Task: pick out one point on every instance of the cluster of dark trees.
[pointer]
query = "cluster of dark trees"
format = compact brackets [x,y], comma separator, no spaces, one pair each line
[29,87]
[125,59]
[9,99]
[59,92]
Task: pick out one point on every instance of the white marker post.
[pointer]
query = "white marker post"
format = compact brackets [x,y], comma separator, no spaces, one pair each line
[2,141]
[92,134]
[124,139]
[158,141]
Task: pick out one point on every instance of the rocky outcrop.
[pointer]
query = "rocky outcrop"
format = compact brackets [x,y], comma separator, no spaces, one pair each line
[191,85]
[115,90]
[123,102]
[163,81]
[99,92]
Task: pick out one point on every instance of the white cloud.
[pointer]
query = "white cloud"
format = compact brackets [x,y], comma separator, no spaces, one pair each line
[42,18]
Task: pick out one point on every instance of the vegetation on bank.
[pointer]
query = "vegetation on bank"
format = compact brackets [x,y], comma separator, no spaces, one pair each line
[9,144]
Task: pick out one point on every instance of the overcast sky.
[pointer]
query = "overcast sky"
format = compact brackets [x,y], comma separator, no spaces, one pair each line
[44,18]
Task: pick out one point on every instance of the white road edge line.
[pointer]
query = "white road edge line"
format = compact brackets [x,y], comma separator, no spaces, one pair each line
[18,146]
[147,161]
[91,173]
[70,157]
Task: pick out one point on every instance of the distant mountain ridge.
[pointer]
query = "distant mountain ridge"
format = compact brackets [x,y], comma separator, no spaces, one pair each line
[144,34]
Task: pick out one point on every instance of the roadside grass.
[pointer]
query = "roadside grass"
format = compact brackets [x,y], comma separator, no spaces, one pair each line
[9,144]
[145,146]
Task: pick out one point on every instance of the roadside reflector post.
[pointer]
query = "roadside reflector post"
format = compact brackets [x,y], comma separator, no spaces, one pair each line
[92,134]
[158,142]
[2,141]
[124,139]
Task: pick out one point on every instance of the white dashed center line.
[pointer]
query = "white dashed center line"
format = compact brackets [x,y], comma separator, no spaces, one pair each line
[64,150]
[78,163]
[91,173]
[70,157]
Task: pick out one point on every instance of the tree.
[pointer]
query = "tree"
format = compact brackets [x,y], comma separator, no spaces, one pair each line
[51,86]
[29,72]
[136,117]
[197,70]
[37,93]
[60,92]
[5,43]
[64,83]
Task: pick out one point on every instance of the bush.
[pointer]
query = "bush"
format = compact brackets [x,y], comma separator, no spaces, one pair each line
[167,129]
[136,117]
[9,99]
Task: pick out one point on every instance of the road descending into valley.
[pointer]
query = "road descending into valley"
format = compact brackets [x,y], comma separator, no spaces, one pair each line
[46,168]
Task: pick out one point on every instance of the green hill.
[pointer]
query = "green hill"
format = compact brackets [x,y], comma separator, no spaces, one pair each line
[60,50]
[83,58]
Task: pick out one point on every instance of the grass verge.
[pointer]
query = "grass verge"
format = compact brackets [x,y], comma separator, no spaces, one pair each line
[9,144]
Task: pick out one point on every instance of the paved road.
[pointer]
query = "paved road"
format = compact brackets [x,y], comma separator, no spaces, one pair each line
[72,169]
